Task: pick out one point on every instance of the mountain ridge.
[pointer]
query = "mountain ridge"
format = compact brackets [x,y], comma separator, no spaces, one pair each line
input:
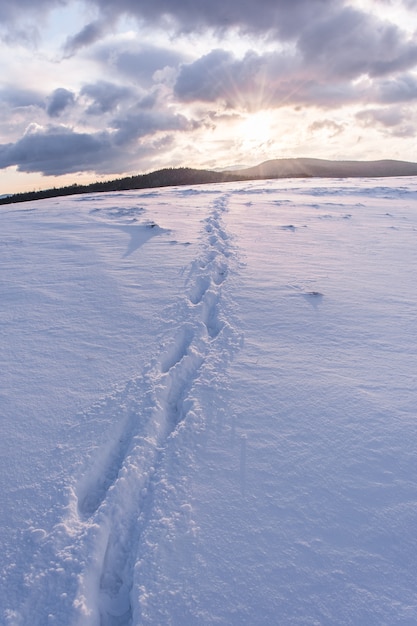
[311,167]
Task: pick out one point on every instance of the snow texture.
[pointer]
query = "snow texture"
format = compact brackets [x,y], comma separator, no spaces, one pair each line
[208,406]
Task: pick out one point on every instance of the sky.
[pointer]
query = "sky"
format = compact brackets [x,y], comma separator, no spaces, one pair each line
[96,89]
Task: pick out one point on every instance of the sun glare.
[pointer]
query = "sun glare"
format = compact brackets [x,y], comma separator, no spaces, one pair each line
[256,128]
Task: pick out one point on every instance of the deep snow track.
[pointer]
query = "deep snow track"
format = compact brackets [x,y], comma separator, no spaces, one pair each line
[112,502]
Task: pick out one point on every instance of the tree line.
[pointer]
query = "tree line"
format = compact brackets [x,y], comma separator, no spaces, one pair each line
[160,178]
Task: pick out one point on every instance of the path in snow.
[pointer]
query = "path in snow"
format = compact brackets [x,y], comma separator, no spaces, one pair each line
[113,500]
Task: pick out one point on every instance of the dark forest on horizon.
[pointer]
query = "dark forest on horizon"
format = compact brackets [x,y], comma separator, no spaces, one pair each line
[160,178]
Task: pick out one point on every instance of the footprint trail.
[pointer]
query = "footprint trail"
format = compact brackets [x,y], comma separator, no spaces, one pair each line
[112,502]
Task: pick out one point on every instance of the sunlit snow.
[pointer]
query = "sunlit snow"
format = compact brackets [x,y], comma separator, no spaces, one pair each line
[208,406]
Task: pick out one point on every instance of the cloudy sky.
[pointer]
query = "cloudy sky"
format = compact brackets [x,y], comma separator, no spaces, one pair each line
[95,89]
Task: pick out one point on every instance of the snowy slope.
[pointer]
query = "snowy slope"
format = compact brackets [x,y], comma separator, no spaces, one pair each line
[208,406]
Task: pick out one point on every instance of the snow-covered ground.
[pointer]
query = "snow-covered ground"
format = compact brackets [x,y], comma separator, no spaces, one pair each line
[208,406]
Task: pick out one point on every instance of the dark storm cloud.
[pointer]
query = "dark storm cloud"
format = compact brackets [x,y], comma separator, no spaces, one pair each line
[60,150]
[142,65]
[138,63]
[104,96]
[58,101]
[283,18]
[210,78]
[403,88]
[17,97]
[286,18]
[91,33]
[138,123]
[332,49]
[257,81]
[55,151]
[349,43]
[331,53]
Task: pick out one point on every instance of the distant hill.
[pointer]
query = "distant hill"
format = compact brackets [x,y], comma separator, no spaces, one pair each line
[277,168]
[288,168]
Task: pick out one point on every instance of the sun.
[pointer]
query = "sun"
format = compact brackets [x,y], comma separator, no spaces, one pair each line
[256,128]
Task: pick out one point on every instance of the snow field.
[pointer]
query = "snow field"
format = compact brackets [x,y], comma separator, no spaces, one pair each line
[209,406]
